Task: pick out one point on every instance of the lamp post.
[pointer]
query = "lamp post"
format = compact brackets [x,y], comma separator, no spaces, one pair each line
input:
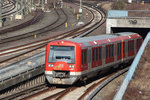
[22,7]
[45,1]
[80,9]
[61,2]
[39,2]
[17,6]
[42,4]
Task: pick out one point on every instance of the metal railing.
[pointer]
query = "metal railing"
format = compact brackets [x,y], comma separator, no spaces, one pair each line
[131,71]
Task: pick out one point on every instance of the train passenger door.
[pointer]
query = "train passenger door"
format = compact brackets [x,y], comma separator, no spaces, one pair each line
[96,56]
[120,50]
[84,65]
[109,53]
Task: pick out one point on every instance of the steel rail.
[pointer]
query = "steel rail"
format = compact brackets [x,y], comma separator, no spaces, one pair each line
[60,95]
[30,90]
[82,30]
[132,69]
[105,82]
[38,15]
[39,43]
[13,6]
[63,36]
[31,34]
[8,5]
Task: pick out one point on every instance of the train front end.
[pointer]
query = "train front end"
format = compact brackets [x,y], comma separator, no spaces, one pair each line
[62,64]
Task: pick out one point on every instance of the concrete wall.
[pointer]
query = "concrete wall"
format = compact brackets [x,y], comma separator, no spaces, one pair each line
[127,23]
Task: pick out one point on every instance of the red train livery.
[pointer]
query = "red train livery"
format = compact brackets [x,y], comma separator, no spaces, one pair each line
[70,60]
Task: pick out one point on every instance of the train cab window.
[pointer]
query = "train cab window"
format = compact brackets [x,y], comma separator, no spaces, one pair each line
[61,53]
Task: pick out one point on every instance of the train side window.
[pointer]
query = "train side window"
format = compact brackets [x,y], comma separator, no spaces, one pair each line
[139,42]
[106,51]
[100,53]
[132,45]
[123,47]
[129,46]
[82,57]
[109,51]
[93,54]
[112,50]
[118,49]
[85,57]
[96,54]
[137,45]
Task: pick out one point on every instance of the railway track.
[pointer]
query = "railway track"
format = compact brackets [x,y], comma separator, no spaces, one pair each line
[11,9]
[80,30]
[23,49]
[37,16]
[11,38]
[7,4]
[70,34]
[78,91]
[6,10]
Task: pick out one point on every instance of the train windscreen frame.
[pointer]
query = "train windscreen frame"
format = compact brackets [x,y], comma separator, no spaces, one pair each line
[61,53]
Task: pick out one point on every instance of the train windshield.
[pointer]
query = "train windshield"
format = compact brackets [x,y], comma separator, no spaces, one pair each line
[61,53]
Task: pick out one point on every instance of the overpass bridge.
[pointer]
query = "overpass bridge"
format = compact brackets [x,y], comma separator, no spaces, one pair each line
[128,20]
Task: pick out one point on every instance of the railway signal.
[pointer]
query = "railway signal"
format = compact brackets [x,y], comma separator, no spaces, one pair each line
[66,25]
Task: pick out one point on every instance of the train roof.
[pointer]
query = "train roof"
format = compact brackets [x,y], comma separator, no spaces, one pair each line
[99,37]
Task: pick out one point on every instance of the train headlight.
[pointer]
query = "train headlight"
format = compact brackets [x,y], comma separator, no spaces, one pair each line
[50,65]
[71,66]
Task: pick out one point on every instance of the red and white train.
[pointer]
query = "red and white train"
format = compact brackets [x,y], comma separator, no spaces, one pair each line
[70,60]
